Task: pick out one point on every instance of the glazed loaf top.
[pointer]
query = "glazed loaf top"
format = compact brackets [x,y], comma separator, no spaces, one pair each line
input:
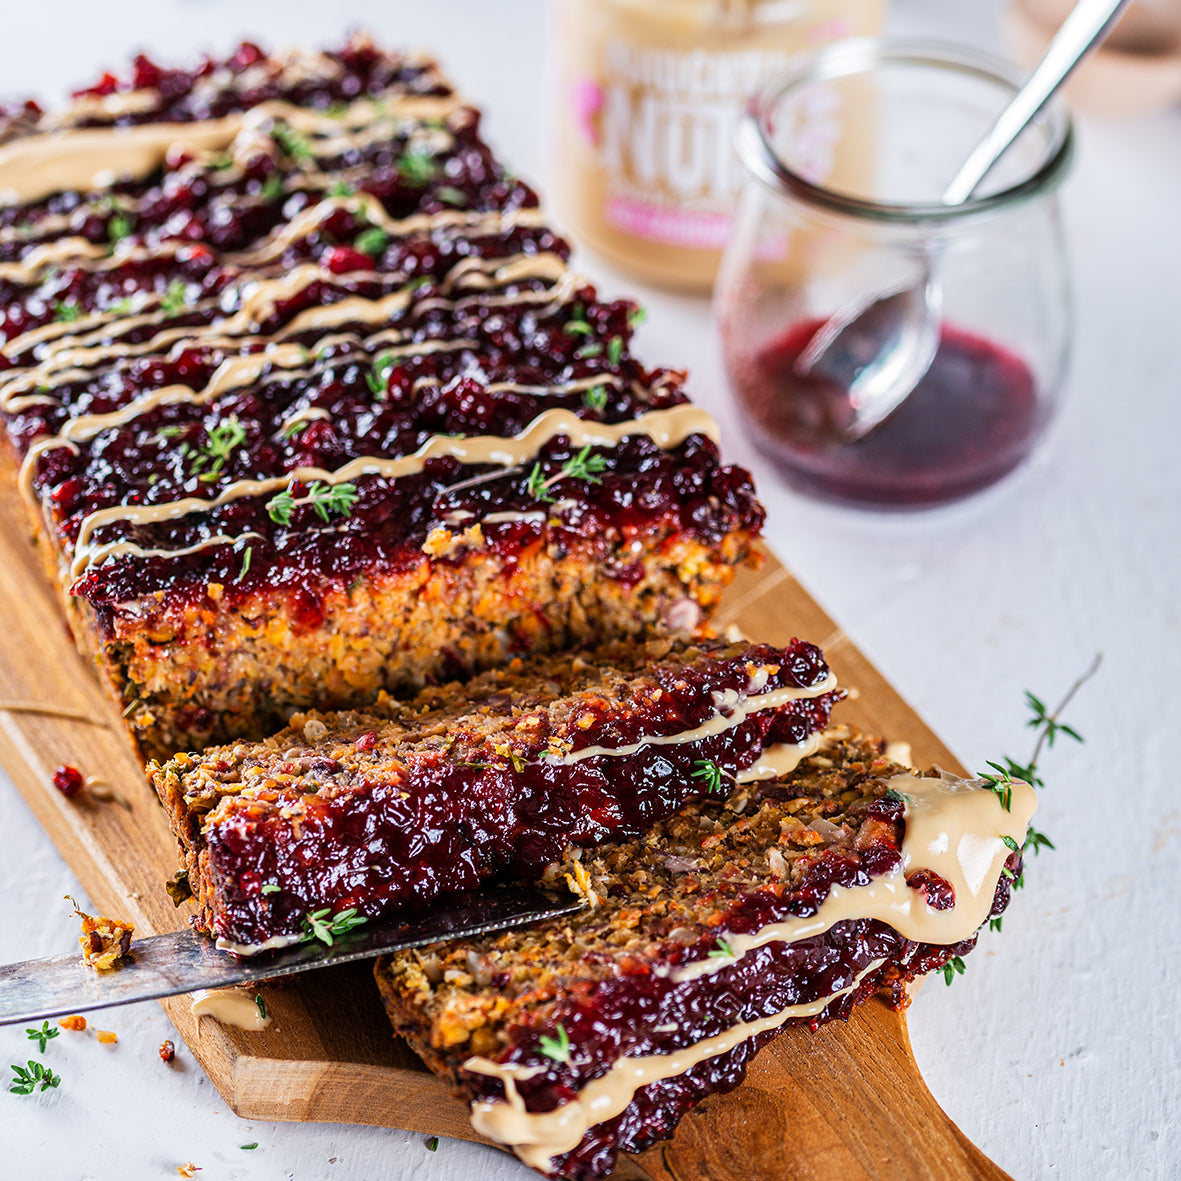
[285,319]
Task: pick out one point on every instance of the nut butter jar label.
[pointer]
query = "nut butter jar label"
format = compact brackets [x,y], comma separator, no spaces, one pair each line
[651,91]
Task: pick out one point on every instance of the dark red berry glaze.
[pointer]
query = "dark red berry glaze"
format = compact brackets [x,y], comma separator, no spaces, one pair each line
[194,221]
[380,840]
[622,1015]
[970,420]
[68,780]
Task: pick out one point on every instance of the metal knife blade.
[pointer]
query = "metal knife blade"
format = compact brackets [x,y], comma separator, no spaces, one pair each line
[183,961]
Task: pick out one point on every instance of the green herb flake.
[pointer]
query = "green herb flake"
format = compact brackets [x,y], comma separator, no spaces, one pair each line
[341,188]
[247,554]
[450,195]
[723,950]
[175,298]
[590,349]
[42,1036]
[27,1080]
[432,1144]
[294,143]
[1009,843]
[557,1049]
[273,189]
[261,1005]
[636,316]
[118,228]
[66,311]
[416,167]
[951,969]
[595,398]
[271,888]
[615,350]
[713,775]
[248,1147]
[378,377]
[220,444]
[325,926]
[895,797]
[372,241]
[583,466]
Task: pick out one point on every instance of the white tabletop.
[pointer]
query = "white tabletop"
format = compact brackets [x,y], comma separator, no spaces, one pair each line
[1057,1052]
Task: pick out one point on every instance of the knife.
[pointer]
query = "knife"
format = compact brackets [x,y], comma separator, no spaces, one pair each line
[183,961]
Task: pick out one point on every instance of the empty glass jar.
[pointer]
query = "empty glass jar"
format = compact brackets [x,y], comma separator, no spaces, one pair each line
[814,246]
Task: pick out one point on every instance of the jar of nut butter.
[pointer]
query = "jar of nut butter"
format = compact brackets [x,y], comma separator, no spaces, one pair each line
[651,91]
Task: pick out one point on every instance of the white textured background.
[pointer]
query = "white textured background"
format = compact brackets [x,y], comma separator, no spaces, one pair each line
[1058,1051]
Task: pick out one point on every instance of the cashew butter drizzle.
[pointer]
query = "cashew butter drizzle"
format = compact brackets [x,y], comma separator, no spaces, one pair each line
[666,428]
[954,827]
[230,1006]
[538,1137]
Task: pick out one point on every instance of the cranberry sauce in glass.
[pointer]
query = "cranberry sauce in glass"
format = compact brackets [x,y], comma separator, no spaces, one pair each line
[813,238]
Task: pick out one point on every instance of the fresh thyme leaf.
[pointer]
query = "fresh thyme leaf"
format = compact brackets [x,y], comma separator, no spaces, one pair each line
[336,110]
[994,924]
[248,1147]
[416,167]
[280,507]
[951,969]
[42,1036]
[432,1143]
[294,143]
[26,1081]
[261,1005]
[378,377]
[450,195]
[325,500]
[247,554]
[1011,844]
[293,428]
[271,888]
[637,316]
[711,773]
[595,398]
[895,797]
[121,307]
[1035,840]
[325,926]
[341,188]
[577,328]
[372,241]
[220,444]
[66,311]
[615,349]
[591,349]
[557,1049]
[221,162]
[118,228]
[583,466]
[272,188]
[172,431]
[722,950]
[175,298]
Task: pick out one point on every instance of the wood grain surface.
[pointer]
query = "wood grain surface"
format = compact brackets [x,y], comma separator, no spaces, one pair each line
[842,1104]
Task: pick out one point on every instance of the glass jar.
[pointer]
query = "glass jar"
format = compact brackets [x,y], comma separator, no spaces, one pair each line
[650,94]
[806,251]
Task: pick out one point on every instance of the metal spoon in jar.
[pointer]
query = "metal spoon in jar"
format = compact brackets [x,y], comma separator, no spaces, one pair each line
[880,347]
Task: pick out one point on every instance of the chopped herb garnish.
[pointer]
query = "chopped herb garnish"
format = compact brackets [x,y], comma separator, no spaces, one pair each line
[221,162]
[324,925]
[247,554]
[248,1147]
[210,459]
[294,143]
[615,349]
[416,167]
[273,188]
[175,298]
[895,797]
[118,228]
[723,949]
[172,431]
[42,1036]
[336,110]
[26,1081]
[372,241]
[325,500]
[261,1005]
[341,188]
[577,328]
[995,923]
[595,398]
[557,1049]
[66,311]
[271,888]
[121,307]
[293,428]
[1010,843]
[636,316]
[583,466]
[592,348]
[951,969]
[711,773]
[450,195]
[432,1143]
[377,379]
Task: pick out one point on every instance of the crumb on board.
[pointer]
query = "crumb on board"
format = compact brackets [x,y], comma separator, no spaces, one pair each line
[106,1036]
[167,1051]
[74,1022]
[188,1169]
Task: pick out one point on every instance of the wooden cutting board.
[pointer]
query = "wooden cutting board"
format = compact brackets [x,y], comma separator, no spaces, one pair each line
[843,1104]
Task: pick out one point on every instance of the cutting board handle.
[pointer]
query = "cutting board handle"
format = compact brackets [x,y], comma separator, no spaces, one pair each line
[848,1099]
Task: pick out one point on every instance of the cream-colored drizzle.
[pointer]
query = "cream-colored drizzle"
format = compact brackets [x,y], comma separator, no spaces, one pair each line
[666,428]
[954,827]
[718,724]
[538,1137]
[78,159]
[272,944]
[780,759]
[230,1006]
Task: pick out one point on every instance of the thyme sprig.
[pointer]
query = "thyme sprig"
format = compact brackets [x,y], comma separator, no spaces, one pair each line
[42,1036]
[595,398]
[372,241]
[723,950]
[557,1049]
[175,298]
[325,926]
[27,1080]
[294,143]
[325,500]
[416,167]
[583,466]
[953,968]
[378,377]
[712,774]
[208,461]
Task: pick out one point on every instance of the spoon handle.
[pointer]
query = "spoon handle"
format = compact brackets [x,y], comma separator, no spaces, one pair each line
[1082,30]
